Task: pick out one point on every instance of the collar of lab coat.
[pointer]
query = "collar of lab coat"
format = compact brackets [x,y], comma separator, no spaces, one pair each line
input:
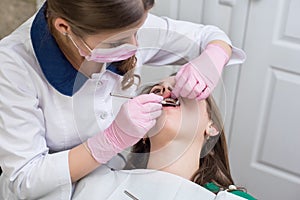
[57,69]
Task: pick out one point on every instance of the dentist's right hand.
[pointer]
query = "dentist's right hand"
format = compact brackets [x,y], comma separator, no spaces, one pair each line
[135,118]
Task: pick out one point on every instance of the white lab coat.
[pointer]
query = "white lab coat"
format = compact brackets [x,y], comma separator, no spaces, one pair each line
[40,120]
[143,184]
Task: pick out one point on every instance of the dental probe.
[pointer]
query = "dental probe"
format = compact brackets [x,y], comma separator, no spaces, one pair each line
[121,96]
[163,102]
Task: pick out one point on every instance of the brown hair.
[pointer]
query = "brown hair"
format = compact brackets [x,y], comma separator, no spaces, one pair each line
[89,17]
[213,167]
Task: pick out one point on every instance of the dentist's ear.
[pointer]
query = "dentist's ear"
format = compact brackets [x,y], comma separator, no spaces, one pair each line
[211,130]
[62,26]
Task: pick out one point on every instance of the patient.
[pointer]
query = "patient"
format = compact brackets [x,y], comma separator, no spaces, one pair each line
[194,132]
[185,149]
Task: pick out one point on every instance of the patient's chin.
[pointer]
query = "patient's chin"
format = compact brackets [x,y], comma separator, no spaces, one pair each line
[159,125]
[166,128]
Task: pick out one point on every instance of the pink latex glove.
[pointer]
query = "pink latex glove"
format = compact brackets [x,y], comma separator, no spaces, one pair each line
[197,79]
[135,118]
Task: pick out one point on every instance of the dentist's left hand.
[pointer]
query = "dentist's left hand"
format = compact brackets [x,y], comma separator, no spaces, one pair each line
[198,78]
[135,118]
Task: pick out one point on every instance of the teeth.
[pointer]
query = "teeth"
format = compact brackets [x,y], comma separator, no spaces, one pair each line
[170,102]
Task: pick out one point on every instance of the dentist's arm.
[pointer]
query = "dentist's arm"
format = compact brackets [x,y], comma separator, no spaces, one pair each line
[135,118]
[225,47]
[81,162]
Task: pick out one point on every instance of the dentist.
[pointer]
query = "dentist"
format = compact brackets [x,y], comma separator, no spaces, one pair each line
[57,72]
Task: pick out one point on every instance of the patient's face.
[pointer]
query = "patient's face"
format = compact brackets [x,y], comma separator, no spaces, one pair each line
[182,123]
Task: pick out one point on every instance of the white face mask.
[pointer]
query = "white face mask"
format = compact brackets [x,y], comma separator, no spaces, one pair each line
[108,55]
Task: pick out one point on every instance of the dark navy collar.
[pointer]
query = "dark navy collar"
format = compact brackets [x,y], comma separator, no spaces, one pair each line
[57,69]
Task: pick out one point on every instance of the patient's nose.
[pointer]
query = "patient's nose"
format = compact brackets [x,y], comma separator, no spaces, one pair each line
[167,93]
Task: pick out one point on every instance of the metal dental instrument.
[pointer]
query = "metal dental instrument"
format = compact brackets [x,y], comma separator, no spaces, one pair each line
[121,96]
[163,102]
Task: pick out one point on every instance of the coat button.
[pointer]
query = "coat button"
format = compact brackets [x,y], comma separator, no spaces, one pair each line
[103,115]
[99,83]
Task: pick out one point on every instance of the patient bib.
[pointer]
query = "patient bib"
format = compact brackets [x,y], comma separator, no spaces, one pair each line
[141,184]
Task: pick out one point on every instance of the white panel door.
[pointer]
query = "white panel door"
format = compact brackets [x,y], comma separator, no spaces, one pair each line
[265,149]
[231,16]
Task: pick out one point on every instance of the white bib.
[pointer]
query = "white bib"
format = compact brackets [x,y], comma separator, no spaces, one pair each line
[141,184]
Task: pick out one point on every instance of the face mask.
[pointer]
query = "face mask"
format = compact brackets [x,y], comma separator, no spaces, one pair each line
[108,55]
[119,53]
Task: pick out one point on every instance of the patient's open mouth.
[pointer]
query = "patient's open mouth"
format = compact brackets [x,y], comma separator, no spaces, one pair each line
[170,102]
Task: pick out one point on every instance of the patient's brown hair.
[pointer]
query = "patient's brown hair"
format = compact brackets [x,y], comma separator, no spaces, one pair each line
[214,167]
